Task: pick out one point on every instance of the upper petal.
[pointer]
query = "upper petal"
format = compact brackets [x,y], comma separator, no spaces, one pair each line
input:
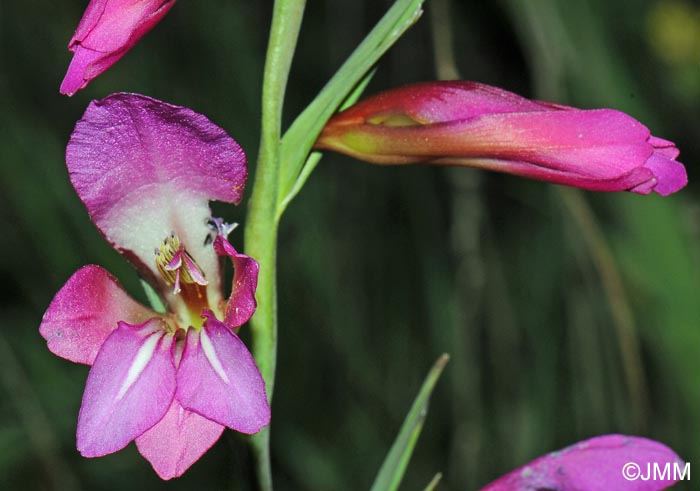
[145,169]
[129,389]
[85,311]
[241,305]
[218,379]
[592,465]
[177,441]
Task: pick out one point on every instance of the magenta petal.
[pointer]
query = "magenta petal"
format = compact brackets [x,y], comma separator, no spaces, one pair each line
[218,379]
[430,103]
[669,174]
[601,143]
[129,388]
[593,465]
[85,312]
[241,305]
[108,29]
[83,62]
[145,169]
[664,147]
[636,180]
[91,17]
[177,441]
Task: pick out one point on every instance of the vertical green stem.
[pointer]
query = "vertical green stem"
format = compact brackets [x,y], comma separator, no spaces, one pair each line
[261,224]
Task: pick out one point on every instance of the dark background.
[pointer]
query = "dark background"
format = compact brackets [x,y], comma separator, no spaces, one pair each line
[567,314]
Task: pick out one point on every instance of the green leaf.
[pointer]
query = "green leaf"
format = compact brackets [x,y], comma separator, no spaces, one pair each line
[396,461]
[356,93]
[153,298]
[301,135]
[315,157]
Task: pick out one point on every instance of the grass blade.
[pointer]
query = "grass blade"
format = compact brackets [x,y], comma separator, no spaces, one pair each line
[392,470]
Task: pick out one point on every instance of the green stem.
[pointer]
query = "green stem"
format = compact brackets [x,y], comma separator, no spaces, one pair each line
[261,223]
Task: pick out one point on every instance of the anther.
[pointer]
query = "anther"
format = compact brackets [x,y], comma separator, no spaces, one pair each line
[176,266]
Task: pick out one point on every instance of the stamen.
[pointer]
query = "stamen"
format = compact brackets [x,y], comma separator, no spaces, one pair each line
[176,266]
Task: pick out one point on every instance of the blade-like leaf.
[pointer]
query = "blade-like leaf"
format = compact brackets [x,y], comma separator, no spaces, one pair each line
[300,137]
[432,485]
[315,157]
[356,93]
[392,470]
[154,299]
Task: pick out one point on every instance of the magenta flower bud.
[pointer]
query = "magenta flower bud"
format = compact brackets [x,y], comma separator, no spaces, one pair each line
[475,125]
[108,29]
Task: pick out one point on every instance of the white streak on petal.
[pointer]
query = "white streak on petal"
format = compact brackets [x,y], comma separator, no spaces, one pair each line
[143,356]
[218,379]
[210,353]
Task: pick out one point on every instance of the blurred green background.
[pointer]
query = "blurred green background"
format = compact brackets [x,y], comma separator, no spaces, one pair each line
[567,314]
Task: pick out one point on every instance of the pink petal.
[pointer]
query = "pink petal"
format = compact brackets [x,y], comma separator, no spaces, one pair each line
[664,147]
[218,379]
[129,388]
[241,305]
[592,465]
[177,441]
[91,17]
[194,272]
[430,103]
[145,169]
[85,312]
[108,29]
[600,143]
[635,180]
[84,62]
[670,175]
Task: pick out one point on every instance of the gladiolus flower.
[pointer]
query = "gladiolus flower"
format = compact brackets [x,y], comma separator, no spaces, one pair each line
[475,125]
[108,29]
[605,463]
[172,381]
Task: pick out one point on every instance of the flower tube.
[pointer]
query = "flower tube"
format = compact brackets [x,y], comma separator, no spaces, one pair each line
[170,380]
[108,29]
[475,125]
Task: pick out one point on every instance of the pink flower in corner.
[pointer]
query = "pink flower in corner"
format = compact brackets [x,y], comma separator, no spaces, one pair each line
[108,29]
[475,125]
[604,463]
[172,381]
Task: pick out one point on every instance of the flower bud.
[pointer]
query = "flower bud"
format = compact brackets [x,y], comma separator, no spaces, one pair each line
[108,29]
[475,125]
